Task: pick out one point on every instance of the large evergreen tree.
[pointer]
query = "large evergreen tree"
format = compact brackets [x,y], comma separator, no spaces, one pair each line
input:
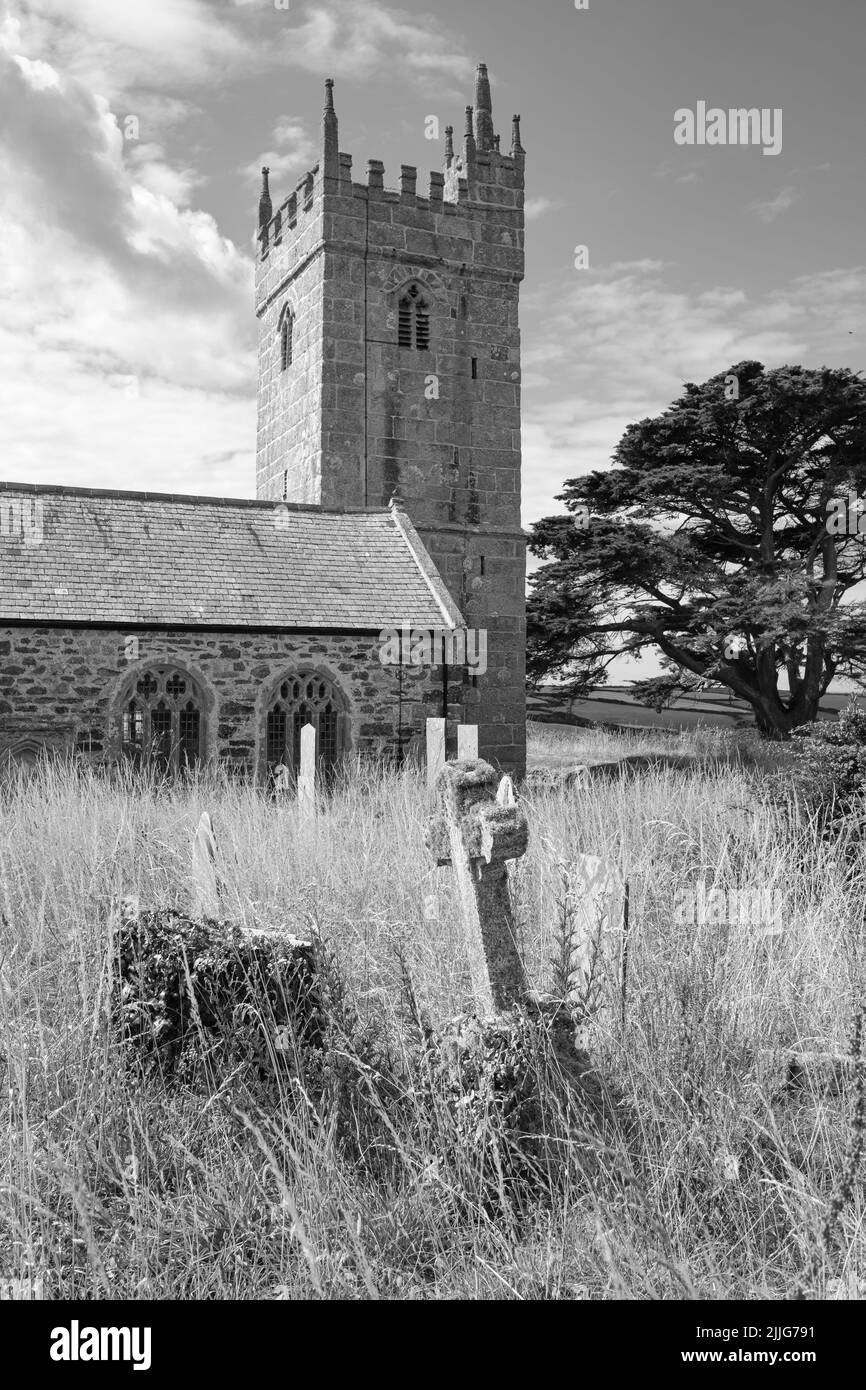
[724,540]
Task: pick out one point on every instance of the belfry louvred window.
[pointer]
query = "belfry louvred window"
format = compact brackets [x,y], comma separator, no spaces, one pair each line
[413,328]
[161,721]
[300,700]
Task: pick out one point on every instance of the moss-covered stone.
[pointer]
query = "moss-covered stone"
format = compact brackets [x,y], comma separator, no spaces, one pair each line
[199,998]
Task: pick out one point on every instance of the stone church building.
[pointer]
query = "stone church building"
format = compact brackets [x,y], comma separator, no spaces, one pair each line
[194,629]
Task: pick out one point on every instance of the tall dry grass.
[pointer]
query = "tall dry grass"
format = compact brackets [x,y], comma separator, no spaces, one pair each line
[707,1188]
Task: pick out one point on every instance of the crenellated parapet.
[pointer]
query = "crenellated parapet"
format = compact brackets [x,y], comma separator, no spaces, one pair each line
[480,183]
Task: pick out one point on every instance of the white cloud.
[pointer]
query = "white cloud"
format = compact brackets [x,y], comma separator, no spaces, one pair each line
[116,47]
[152,171]
[127,339]
[672,168]
[112,46]
[537,207]
[619,345]
[126,347]
[824,168]
[292,153]
[771,208]
[359,38]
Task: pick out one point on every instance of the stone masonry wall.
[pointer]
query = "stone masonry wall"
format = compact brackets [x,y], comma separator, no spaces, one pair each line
[441,428]
[64,688]
[290,277]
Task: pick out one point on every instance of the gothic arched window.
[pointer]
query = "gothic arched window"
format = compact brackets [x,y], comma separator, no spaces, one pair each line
[161,720]
[300,700]
[23,757]
[286,334]
[413,329]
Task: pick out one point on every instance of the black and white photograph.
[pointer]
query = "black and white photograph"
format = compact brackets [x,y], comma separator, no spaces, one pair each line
[432,668]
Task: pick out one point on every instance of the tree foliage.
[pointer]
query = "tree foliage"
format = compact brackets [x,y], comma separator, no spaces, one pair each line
[721,539]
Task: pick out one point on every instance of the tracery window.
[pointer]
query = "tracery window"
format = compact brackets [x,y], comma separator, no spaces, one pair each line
[161,721]
[413,329]
[300,700]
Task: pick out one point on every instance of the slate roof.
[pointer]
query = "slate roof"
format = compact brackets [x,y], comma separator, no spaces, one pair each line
[136,557]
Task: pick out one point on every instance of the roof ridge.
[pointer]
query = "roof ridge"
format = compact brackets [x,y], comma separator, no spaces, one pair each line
[265,503]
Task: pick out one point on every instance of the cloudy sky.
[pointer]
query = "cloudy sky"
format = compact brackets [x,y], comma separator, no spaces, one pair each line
[126,325]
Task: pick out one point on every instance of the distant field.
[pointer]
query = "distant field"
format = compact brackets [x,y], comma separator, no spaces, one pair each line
[615,705]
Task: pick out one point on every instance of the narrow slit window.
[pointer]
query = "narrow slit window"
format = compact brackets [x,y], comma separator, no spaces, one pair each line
[475,369]
[286,334]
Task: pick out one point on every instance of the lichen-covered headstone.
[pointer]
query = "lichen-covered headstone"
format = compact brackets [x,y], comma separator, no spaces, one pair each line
[205,997]
[477,836]
[435,750]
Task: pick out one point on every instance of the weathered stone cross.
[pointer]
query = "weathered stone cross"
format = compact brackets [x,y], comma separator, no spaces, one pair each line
[478,835]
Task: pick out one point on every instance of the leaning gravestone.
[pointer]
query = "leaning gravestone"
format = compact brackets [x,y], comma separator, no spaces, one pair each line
[476,835]
[499,1056]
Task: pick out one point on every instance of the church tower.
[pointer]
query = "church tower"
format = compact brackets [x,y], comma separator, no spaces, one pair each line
[389,366]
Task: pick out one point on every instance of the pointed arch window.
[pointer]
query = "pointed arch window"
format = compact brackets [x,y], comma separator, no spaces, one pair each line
[161,721]
[413,328]
[23,756]
[287,328]
[300,700]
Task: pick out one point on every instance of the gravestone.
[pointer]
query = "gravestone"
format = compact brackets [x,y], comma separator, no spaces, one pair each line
[307,776]
[505,794]
[216,992]
[467,741]
[282,780]
[435,749]
[477,836]
[205,884]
